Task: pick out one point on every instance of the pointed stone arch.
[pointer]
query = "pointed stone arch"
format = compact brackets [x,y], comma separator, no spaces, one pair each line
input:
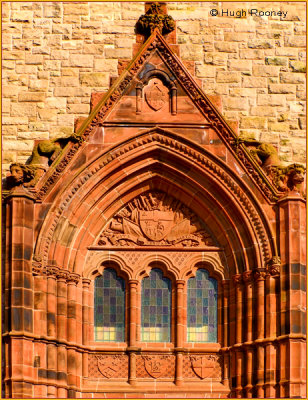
[154,159]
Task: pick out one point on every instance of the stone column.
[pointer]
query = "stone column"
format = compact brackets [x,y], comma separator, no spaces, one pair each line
[247,278]
[19,292]
[272,287]
[62,333]
[133,319]
[173,92]
[292,233]
[260,276]
[85,324]
[138,98]
[180,320]
[71,333]
[226,356]
[237,279]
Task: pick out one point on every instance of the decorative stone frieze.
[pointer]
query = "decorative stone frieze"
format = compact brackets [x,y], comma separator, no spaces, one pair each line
[53,271]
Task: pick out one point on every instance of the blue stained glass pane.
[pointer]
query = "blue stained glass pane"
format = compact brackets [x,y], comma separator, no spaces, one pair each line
[109,307]
[202,308]
[155,318]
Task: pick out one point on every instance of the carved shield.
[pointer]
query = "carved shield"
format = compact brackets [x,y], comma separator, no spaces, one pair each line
[155,97]
[108,366]
[155,365]
[156,224]
[203,366]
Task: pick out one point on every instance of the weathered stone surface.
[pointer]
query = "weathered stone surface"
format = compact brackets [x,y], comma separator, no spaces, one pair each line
[270,100]
[281,88]
[286,77]
[265,70]
[94,79]
[276,61]
[78,60]
[250,82]
[298,66]
[226,47]
[31,96]
[253,122]
[228,77]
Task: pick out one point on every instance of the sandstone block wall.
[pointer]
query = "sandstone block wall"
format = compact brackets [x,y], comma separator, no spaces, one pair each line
[55,54]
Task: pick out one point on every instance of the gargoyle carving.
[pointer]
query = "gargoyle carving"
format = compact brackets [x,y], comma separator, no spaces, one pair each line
[43,155]
[158,219]
[285,178]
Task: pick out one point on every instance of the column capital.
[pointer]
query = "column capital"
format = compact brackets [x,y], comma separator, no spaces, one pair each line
[73,278]
[247,276]
[86,282]
[237,278]
[180,282]
[274,266]
[260,274]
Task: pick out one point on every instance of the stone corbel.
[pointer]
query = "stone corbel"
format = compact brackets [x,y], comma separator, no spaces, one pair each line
[274,266]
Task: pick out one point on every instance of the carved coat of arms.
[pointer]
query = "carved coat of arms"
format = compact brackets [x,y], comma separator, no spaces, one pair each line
[155,218]
[203,366]
[156,224]
[155,365]
[108,366]
[155,96]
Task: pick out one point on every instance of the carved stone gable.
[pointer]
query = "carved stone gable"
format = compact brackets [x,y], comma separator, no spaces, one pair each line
[155,218]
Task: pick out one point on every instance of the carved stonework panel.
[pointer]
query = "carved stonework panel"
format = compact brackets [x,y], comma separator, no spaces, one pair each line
[202,366]
[155,366]
[155,219]
[108,366]
[156,94]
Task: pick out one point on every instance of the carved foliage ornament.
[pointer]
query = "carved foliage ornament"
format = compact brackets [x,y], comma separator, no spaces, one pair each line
[155,18]
[155,218]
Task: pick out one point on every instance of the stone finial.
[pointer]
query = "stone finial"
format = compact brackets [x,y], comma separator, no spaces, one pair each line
[155,17]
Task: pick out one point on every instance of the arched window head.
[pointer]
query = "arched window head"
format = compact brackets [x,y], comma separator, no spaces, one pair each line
[202,308]
[156,307]
[109,307]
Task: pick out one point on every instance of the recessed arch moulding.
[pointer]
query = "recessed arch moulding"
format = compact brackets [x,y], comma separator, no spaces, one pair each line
[87,204]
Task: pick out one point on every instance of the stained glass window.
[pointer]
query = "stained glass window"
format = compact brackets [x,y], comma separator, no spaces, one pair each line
[109,307]
[202,308]
[156,308]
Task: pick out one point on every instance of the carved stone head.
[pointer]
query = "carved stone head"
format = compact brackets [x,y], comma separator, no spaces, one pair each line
[17,174]
[20,174]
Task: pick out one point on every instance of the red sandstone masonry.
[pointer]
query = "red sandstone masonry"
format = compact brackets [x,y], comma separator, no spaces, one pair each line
[260,337]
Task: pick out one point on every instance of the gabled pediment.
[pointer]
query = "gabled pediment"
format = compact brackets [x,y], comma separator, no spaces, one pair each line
[156,89]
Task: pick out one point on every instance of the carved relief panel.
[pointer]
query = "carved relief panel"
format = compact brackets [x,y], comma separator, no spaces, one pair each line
[156,219]
[155,366]
[108,366]
[202,366]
